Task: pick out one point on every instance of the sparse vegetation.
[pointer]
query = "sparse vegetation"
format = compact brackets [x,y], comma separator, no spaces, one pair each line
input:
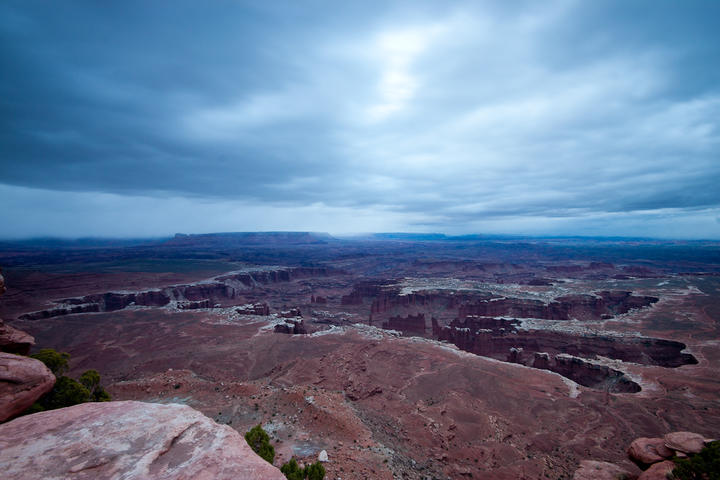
[67,391]
[702,466]
[315,471]
[259,441]
[57,362]
[292,471]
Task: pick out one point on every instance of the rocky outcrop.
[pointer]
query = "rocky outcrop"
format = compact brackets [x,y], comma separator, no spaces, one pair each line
[261,309]
[291,313]
[593,375]
[194,305]
[410,325]
[361,291]
[685,442]
[317,299]
[486,336]
[593,470]
[13,340]
[648,450]
[582,307]
[650,454]
[658,471]
[568,354]
[129,440]
[292,326]
[22,381]
[221,290]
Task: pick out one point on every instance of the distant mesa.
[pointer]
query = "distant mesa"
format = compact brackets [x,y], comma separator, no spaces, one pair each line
[230,239]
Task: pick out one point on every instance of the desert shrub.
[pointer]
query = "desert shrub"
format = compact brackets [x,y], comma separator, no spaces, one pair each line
[292,470]
[90,379]
[259,441]
[67,392]
[702,466]
[315,471]
[57,362]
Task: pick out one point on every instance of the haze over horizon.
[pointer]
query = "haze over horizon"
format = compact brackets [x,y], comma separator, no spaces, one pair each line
[140,119]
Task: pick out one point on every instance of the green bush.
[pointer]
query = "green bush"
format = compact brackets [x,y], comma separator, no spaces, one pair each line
[67,391]
[57,362]
[315,471]
[292,471]
[259,441]
[90,379]
[702,466]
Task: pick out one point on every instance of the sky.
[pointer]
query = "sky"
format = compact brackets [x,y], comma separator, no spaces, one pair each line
[554,117]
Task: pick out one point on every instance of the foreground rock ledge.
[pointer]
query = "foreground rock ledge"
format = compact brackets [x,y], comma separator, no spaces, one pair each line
[22,381]
[128,440]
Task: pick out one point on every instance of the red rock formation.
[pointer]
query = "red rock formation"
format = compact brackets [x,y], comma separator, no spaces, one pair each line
[254,309]
[411,325]
[593,470]
[318,300]
[658,471]
[648,450]
[360,291]
[130,440]
[469,336]
[292,313]
[194,305]
[292,327]
[583,307]
[22,381]
[559,352]
[224,288]
[685,442]
[15,341]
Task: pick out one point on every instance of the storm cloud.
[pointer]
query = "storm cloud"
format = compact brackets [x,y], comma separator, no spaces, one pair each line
[559,117]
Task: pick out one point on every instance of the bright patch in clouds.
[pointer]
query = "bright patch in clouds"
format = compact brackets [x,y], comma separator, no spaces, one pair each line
[396,51]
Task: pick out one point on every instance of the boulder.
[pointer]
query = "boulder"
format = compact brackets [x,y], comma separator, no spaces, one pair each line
[22,381]
[128,440]
[13,340]
[658,471]
[649,450]
[686,442]
[323,456]
[2,283]
[594,470]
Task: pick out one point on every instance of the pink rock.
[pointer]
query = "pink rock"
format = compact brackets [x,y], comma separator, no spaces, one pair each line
[686,442]
[129,440]
[13,340]
[649,450]
[22,381]
[659,471]
[594,470]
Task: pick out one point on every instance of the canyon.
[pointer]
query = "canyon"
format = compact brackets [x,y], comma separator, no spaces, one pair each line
[401,358]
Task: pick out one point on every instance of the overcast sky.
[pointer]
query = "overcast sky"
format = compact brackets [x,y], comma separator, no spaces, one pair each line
[542,117]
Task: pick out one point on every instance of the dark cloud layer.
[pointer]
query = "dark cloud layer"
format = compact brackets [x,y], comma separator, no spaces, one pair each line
[520,117]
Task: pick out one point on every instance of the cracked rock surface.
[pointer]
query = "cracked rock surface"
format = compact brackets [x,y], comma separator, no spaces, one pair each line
[128,440]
